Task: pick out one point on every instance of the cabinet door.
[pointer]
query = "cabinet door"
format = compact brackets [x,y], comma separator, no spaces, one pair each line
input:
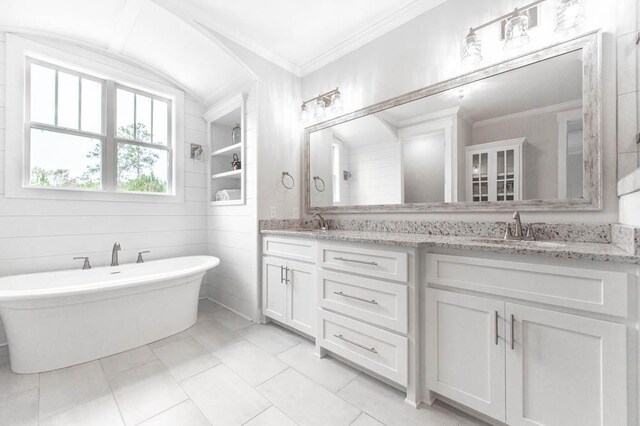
[274,289]
[301,297]
[466,350]
[564,369]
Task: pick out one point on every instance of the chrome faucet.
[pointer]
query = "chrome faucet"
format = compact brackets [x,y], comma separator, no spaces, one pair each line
[321,222]
[519,233]
[87,264]
[114,254]
[518,223]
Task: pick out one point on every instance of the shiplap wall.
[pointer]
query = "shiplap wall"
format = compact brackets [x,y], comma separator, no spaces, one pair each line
[41,235]
[376,174]
[232,234]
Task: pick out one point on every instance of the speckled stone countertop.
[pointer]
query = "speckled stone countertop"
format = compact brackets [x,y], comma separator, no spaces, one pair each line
[602,252]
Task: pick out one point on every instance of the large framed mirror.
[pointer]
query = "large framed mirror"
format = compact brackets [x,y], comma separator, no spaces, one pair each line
[523,134]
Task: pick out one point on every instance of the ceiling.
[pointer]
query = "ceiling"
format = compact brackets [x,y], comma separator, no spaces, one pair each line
[301,35]
[138,31]
[177,38]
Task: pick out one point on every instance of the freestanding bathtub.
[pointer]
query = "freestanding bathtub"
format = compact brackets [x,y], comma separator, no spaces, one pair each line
[58,319]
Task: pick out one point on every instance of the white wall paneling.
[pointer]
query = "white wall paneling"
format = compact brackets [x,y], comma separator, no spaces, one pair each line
[232,234]
[43,235]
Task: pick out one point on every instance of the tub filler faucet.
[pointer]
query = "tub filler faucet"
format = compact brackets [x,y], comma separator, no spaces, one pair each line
[114,254]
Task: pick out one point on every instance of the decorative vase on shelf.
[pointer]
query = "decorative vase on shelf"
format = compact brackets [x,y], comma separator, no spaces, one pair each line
[236,164]
[236,135]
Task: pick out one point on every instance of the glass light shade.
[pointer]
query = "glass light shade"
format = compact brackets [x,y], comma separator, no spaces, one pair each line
[516,30]
[305,115]
[336,104]
[472,49]
[571,14]
[320,110]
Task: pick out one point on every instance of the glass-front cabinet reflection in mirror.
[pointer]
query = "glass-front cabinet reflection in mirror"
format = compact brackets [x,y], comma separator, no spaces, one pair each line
[505,136]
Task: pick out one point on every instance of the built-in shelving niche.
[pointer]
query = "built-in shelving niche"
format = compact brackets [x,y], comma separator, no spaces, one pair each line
[221,119]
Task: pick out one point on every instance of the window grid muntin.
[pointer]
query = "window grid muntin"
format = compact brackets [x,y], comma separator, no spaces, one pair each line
[136,93]
[108,136]
[80,75]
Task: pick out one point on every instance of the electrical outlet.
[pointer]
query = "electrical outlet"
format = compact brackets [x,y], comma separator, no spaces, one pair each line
[272,212]
[296,212]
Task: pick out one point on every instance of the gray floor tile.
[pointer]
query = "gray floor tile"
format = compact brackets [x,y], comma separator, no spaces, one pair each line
[223,397]
[306,402]
[145,391]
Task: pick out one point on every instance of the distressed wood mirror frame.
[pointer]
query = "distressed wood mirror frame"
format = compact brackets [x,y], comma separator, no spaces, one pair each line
[591,46]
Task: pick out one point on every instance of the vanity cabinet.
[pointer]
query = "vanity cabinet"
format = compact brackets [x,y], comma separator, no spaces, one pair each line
[364,315]
[520,364]
[564,369]
[289,285]
[466,350]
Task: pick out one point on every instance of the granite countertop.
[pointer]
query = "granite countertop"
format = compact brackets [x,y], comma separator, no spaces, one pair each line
[558,249]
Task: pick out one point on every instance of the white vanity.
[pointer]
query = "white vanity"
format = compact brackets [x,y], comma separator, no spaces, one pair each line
[520,332]
[517,338]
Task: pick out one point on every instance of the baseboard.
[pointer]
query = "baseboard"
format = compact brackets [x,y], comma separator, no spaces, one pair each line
[226,307]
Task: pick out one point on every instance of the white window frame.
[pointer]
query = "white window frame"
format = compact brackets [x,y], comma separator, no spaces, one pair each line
[19,53]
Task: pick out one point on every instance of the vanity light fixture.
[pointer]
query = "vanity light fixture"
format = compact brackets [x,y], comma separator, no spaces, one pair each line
[320,111]
[306,115]
[571,15]
[516,29]
[321,107]
[472,49]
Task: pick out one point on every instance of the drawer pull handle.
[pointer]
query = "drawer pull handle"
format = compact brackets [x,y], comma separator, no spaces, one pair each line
[372,301]
[356,261]
[513,332]
[341,337]
[497,321]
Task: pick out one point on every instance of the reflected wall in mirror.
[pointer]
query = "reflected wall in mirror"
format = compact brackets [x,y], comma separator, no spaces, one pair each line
[508,137]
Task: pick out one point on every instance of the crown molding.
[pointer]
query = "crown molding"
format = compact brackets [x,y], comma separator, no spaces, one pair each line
[369,34]
[569,105]
[257,49]
[374,31]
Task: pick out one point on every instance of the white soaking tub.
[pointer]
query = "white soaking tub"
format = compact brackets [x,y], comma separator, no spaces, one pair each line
[58,319]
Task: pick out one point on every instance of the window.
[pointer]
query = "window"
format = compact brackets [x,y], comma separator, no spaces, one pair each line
[88,133]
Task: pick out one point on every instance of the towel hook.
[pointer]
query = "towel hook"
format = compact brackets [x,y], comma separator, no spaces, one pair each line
[285,180]
[321,187]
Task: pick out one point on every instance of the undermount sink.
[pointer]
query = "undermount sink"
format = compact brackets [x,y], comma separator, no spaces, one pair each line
[519,242]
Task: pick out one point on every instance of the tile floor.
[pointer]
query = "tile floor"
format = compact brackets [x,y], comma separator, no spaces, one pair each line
[222,371]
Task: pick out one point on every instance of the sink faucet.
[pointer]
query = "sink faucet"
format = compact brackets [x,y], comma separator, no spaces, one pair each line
[321,222]
[518,223]
[114,254]
[519,234]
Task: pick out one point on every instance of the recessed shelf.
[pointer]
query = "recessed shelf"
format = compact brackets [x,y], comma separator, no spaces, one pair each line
[227,149]
[232,173]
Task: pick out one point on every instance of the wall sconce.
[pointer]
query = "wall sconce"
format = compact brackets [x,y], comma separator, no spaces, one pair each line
[321,107]
[570,15]
[196,152]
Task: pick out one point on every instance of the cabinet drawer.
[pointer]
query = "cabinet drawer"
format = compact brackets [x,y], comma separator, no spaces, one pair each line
[380,351]
[378,302]
[390,265]
[590,290]
[303,249]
